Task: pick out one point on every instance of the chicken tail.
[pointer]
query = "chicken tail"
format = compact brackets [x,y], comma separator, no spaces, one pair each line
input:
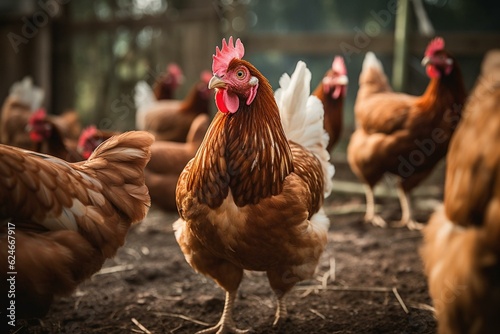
[119,164]
[143,98]
[302,117]
[373,76]
[27,94]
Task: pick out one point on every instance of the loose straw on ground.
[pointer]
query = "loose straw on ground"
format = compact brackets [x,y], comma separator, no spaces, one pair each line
[141,327]
[183,317]
[115,269]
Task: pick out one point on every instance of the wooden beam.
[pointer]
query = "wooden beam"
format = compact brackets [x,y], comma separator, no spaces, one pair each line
[401,33]
[459,44]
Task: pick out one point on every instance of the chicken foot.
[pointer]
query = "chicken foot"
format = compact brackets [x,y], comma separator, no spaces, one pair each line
[370,216]
[226,323]
[281,312]
[406,212]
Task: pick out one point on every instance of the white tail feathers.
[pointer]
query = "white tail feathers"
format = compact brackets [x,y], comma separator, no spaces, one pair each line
[28,94]
[371,61]
[143,98]
[302,117]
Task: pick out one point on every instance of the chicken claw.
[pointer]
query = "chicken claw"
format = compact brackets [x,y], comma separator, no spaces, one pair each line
[281,313]
[411,224]
[370,216]
[224,327]
[376,220]
[226,323]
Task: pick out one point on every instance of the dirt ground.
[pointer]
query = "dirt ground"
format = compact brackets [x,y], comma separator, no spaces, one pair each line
[355,290]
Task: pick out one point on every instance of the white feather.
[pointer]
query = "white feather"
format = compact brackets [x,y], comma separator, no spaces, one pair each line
[371,61]
[26,93]
[143,98]
[302,117]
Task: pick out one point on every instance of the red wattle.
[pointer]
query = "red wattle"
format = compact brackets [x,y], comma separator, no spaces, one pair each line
[219,101]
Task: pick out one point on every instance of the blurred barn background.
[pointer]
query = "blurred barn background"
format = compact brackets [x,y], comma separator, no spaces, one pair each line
[89,54]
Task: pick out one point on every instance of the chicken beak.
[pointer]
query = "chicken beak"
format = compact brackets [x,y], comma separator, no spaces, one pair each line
[426,61]
[216,82]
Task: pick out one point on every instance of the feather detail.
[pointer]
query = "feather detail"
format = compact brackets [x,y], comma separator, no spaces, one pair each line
[28,94]
[371,61]
[302,118]
[143,98]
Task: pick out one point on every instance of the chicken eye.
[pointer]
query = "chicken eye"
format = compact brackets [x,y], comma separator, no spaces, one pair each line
[240,74]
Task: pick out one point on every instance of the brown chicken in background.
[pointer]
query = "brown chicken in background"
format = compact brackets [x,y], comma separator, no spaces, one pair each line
[168,159]
[461,249]
[332,91]
[67,218]
[68,123]
[167,83]
[170,120]
[48,138]
[91,138]
[24,98]
[402,134]
[251,198]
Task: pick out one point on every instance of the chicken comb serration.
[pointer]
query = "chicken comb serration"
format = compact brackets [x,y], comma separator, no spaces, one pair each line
[86,134]
[437,44]
[338,65]
[222,58]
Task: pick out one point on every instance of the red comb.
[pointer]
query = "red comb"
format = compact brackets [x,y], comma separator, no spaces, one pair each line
[223,57]
[37,115]
[86,134]
[437,44]
[174,69]
[338,65]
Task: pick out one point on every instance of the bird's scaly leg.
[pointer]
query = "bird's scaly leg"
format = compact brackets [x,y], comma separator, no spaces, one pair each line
[226,323]
[406,213]
[370,216]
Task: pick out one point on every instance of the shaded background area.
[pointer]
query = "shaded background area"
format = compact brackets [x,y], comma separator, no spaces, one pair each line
[88,55]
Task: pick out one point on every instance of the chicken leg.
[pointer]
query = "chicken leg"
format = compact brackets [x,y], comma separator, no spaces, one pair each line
[370,216]
[406,212]
[281,312]
[226,323]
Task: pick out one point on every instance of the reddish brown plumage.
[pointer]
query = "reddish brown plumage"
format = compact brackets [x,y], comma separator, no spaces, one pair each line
[250,199]
[167,83]
[68,217]
[333,115]
[168,159]
[461,243]
[331,91]
[14,118]
[233,142]
[68,123]
[402,134]
[91,138]
[48,139]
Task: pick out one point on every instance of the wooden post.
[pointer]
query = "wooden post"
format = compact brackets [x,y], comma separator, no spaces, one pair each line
[401,33]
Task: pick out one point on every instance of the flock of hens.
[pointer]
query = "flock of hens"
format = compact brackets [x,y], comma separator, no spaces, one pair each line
[249,185]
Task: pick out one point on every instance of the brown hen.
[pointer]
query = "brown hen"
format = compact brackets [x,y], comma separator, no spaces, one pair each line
[332,91]
[251,199]
[65,219]
[168,159]
[461,249]
[401,134]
